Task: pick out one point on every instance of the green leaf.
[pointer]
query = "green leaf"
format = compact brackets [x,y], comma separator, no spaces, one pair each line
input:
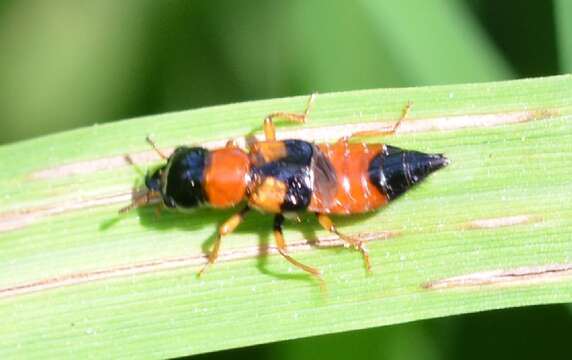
[490,231]
[563,14]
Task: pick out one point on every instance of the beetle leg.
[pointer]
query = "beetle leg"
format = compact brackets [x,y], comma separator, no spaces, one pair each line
[281,245]
[270,131]
[386,132]
[224,229]
[357,243]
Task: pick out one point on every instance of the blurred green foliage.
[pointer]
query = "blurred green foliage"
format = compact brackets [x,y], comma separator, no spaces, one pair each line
[68,63]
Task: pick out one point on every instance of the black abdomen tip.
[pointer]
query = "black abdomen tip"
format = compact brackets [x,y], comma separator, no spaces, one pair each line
[396,170]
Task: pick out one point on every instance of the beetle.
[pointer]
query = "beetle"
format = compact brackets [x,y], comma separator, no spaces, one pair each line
[288,176]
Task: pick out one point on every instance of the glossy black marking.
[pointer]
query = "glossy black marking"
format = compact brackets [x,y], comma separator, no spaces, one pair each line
[394,170]
[299,193]
[184,181]
[298,152]
[297,179]
[294,171]
[299,184]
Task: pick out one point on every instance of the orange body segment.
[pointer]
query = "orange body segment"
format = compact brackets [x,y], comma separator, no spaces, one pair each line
[268,196]
[267,151]
[226,177]
[355,193]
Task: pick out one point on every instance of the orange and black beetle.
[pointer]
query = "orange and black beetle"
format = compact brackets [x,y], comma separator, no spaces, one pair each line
[288,176]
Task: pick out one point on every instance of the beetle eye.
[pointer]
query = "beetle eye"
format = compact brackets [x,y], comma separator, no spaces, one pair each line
[153,181]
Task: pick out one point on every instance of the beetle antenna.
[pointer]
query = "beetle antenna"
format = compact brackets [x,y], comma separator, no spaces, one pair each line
[149,197]
[138,201]
[127,208]
[132,162]
[156,148]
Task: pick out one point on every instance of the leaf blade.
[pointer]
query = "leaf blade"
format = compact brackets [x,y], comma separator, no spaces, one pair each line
[512,170]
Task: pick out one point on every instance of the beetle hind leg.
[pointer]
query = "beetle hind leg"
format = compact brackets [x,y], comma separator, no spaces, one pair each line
[352,241]
[281,245]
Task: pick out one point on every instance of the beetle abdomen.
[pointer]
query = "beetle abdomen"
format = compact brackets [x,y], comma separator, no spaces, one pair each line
[394,170]
[354,192]
[368,176]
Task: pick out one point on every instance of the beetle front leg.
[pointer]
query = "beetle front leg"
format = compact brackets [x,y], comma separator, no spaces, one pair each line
[268,126]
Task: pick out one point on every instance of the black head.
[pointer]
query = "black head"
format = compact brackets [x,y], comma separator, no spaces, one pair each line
[153,179]
[180,181]
[149,196]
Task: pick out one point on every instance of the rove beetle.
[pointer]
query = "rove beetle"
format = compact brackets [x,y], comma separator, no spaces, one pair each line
[278,177]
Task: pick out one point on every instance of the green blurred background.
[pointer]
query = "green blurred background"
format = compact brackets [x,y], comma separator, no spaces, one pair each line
[66,64]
